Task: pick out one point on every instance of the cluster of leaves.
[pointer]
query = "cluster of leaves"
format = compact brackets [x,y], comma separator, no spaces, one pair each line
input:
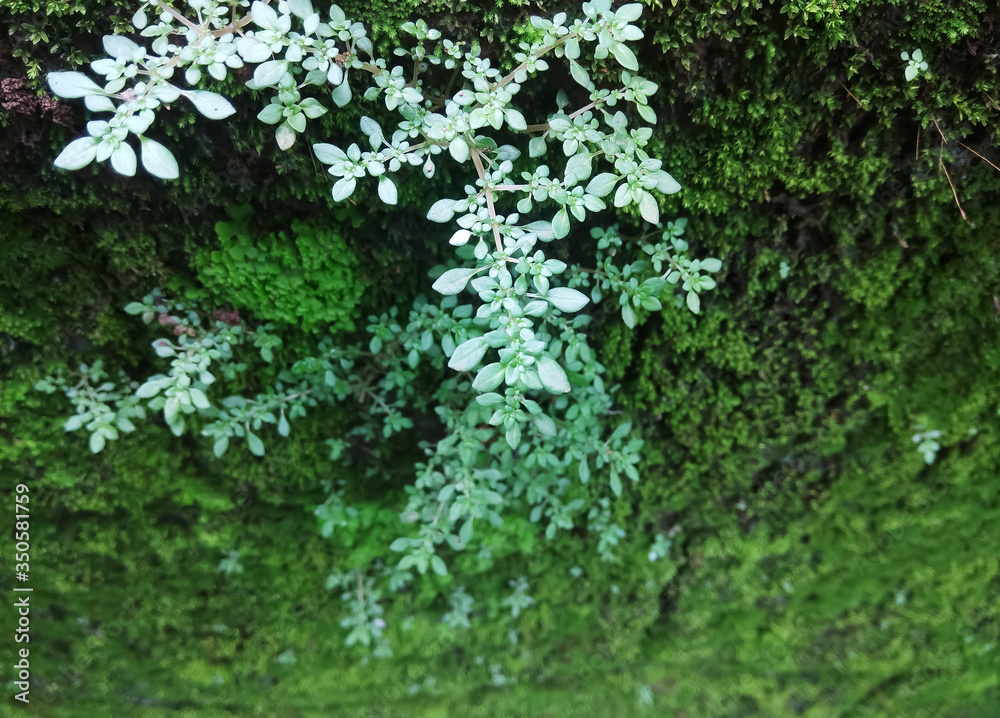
[512,274]
[915,64]
[106,409]
[554,410]
[667,261]
[927,444]
[305,277]
[468,476]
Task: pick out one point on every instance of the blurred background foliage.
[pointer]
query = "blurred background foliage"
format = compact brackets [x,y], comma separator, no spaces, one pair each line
[819,567]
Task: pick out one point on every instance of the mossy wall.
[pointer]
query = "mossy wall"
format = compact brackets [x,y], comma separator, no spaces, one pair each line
[821,568]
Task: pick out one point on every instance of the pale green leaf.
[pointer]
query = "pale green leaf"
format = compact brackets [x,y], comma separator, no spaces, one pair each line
[552,376]
[566,299]
[211,105]
[441,211]
[468,354]
[73,84]
[255,445]
[453,281]
[387,190]
[157,160]
[78,153]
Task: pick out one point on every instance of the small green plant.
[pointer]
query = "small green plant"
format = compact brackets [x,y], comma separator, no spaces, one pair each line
[660,548]
[927,444]
[915,64]
[231,563]
[519,599]
[306,277]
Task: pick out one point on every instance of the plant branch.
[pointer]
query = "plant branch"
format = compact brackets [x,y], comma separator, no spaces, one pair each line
[478,162]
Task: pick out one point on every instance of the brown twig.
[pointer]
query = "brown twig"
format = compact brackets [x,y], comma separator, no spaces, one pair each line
[177,16]
[945,169]
[851,94]
[980,156]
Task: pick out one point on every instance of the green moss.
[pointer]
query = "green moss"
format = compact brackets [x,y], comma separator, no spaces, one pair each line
[305,277]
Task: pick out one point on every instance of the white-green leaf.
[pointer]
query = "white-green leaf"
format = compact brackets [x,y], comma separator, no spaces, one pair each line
[513,435]
[468,354]
[301,8]
[453,281]
[566,299]
[545,425]
[123,160]
[552,376]
[667,184]
[255,444]
[74,422]
[623,195]
[515,120]
[711,264]
[283,427]
[343,188]
[198,398]
[625,57]
[693,302]
[328,154]
[602,184]
[270,72]
[648,208]
[297,123]
[459,149]
[616,483]
[646,112]
[579,74]
[165,92]
[149,389]
[264,16]
[220,446]
[387,190]
[441,211]
[271,115]
[629,13]
[96,442]
[371,128]
[253,51]
[460,238]
[578,168]
[341,94]
[210,104]
[138,124]
[437,565]
[73,84]
[536,147]
[560,223]
[157,159]
[120,47]
[284,135]
[628,316]
[489,377]
[78,153]
[99,103]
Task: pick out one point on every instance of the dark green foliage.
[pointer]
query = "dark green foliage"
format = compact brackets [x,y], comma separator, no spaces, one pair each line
[822,568]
